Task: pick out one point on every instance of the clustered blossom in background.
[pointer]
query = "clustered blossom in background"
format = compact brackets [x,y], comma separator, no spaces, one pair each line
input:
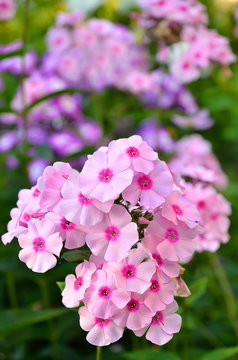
[130,211]
[184,42]
[202,174]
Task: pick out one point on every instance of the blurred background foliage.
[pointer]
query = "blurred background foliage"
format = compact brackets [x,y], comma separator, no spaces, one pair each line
[32,321]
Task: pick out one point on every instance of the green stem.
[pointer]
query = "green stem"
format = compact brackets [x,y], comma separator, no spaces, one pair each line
[25,21]
[51,328]
[227,291]
[11,290]
[98,353]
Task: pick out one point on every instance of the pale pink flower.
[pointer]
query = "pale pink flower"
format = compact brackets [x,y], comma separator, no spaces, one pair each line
[102,332]
[133,273]
[175,242]
[140,154]
[151,189]
[163,325]
[184,70]
[51,183]
[73,234]
[39,245]
[58,40]
[160,293]
[178,208]
[28,210]
[169,268]
[103,298]
[79,208]
[135,315]
[75,286]
[114,236]
[103,179]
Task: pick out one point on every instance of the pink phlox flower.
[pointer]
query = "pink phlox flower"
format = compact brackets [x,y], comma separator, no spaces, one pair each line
[104,179]
[7,9]
[133,273]
[58,40]
[164,324]
[51,183]
[39,245]
[140,154]
[78,207]
[75,286]
[175,242]
[169,268]
[160,292]
[135,315]
[114,236]
[178,208]
[101,332]
[73,234]
[103,298]
[152,189]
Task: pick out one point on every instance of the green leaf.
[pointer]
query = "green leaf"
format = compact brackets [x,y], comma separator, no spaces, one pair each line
[11,54]
[61,285]
[13,320]
[150,355]
[76,255]
[220,354]
[197,289]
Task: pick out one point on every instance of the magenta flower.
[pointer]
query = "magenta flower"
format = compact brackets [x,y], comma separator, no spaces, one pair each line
[75,286]
[151,189]
[102,332]
[141,155]
[163,325]
[134,274]
[80,208]
[103,178]
[136,315]
[39,245]
[104,299]
[114,236]
[7,9]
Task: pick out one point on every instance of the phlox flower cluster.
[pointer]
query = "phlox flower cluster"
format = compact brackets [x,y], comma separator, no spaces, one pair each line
[184,42]
[129,210]
[202,174]
[107,53]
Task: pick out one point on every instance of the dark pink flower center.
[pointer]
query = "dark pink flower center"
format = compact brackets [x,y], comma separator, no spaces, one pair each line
[201,204]
[78,283]
[112,233]
[172,235]
[186,65]
[214,217]
[102,322]
[27,217]
[105,175]
[129,271]
[133,305]
[105,292]
[158,259]
[36,193]
[158,318]
[66,225]
[132,152]
[39,244]
[177,209]
[84,200]
[145,182]
[4,5]
[155,286]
